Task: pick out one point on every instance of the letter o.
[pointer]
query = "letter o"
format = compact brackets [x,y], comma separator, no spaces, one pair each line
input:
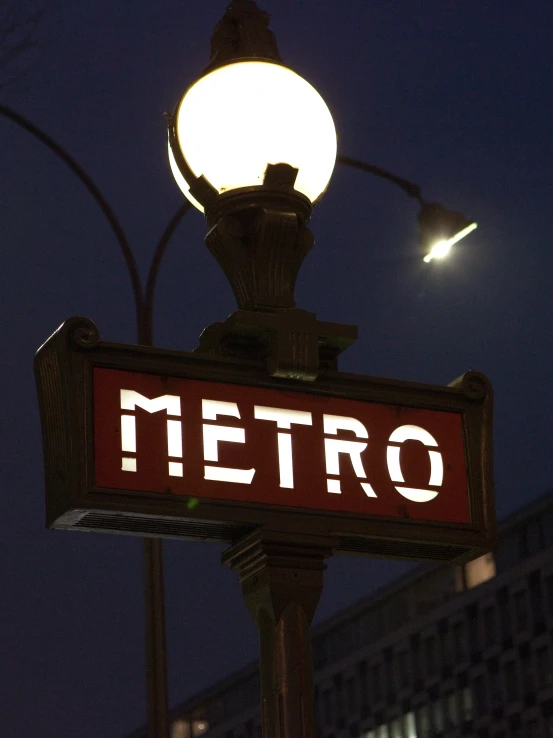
[414,433]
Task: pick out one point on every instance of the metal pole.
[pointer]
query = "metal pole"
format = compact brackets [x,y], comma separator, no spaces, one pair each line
[154,595]
[156,670]
[282,579]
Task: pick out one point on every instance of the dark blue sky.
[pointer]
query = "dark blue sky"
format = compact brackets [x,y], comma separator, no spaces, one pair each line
[455,96]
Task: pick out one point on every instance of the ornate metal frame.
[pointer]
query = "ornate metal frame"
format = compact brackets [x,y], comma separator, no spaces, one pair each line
[63,370]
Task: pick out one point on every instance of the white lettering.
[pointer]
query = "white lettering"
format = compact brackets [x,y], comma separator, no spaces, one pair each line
[284,419]
[213,434]
[414,433]
[212,408]
[333,423]
[333,447]
[128,433]
[129,464]
[130,400]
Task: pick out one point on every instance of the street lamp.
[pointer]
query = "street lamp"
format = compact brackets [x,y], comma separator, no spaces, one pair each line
[284,121]
[439,228]
[246,115]
[253,146]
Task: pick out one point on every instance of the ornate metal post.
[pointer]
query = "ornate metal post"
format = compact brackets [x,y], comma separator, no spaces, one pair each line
[282,580]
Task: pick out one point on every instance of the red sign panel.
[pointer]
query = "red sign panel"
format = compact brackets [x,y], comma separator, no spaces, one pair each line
[282,448]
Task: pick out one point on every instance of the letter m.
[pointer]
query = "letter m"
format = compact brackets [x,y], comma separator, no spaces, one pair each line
[130,400]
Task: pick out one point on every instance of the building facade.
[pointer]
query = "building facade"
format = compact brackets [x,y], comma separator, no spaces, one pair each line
[443,652]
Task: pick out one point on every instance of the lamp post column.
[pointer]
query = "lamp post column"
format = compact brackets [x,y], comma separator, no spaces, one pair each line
[256,179]
[282,579]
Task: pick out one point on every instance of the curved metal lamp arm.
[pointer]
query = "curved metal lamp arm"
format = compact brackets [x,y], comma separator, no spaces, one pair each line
[96,194]
[153,552]
[146,324]
[410,188]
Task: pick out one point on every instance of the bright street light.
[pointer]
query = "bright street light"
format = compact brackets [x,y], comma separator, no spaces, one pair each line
[237,119]
[442,248]
[440,229]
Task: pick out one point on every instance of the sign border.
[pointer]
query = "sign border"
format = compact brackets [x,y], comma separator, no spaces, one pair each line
[63,369]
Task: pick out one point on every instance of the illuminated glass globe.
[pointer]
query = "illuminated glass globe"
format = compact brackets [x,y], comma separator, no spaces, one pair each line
[239,118]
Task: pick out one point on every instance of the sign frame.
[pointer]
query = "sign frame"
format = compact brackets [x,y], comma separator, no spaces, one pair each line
[64,367]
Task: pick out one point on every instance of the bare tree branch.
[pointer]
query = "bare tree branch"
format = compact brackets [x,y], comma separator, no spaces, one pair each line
[18,22]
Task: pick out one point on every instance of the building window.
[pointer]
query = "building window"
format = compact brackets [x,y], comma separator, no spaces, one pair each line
[403,668]
[480,570]
[480,696]
[490,626]
[527,670]
[467,709]
[389,675]
[549,593]
[459,642]
[423,722]
[430,655]
[376,682]
[180,729]
[504,614]
[444,641]
[438,719]
[474,632]
[199,727]
[338,697]
[511,681]
[451,710]
[327,707]
[496,696]
[521,610]
[535,537]
[351,693]
[395,729]
[416,660]
[409,726]
[543,668]
[536,597]
[363,688]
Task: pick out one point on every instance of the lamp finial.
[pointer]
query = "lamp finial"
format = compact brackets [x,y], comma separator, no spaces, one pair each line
[242,33]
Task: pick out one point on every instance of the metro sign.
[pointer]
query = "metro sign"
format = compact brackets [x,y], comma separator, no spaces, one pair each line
[251,444]
[184,445]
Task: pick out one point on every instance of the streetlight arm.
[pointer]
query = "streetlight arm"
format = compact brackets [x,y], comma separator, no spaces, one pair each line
[156,669]
[410,188]
[96,194]
[146,324]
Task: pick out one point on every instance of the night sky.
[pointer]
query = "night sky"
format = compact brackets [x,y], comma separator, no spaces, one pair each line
[456,96]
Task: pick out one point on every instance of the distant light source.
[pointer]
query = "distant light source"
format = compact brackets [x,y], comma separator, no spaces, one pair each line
[442,248]
[440,229]
[243,116]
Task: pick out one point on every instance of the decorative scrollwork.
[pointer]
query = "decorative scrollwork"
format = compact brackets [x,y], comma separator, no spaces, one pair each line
[474,385]
[83,333]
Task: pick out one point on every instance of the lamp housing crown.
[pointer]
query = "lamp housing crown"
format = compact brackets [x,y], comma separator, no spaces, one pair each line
[243,33]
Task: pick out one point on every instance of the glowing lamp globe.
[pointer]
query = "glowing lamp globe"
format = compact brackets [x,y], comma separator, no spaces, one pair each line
[241,117]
